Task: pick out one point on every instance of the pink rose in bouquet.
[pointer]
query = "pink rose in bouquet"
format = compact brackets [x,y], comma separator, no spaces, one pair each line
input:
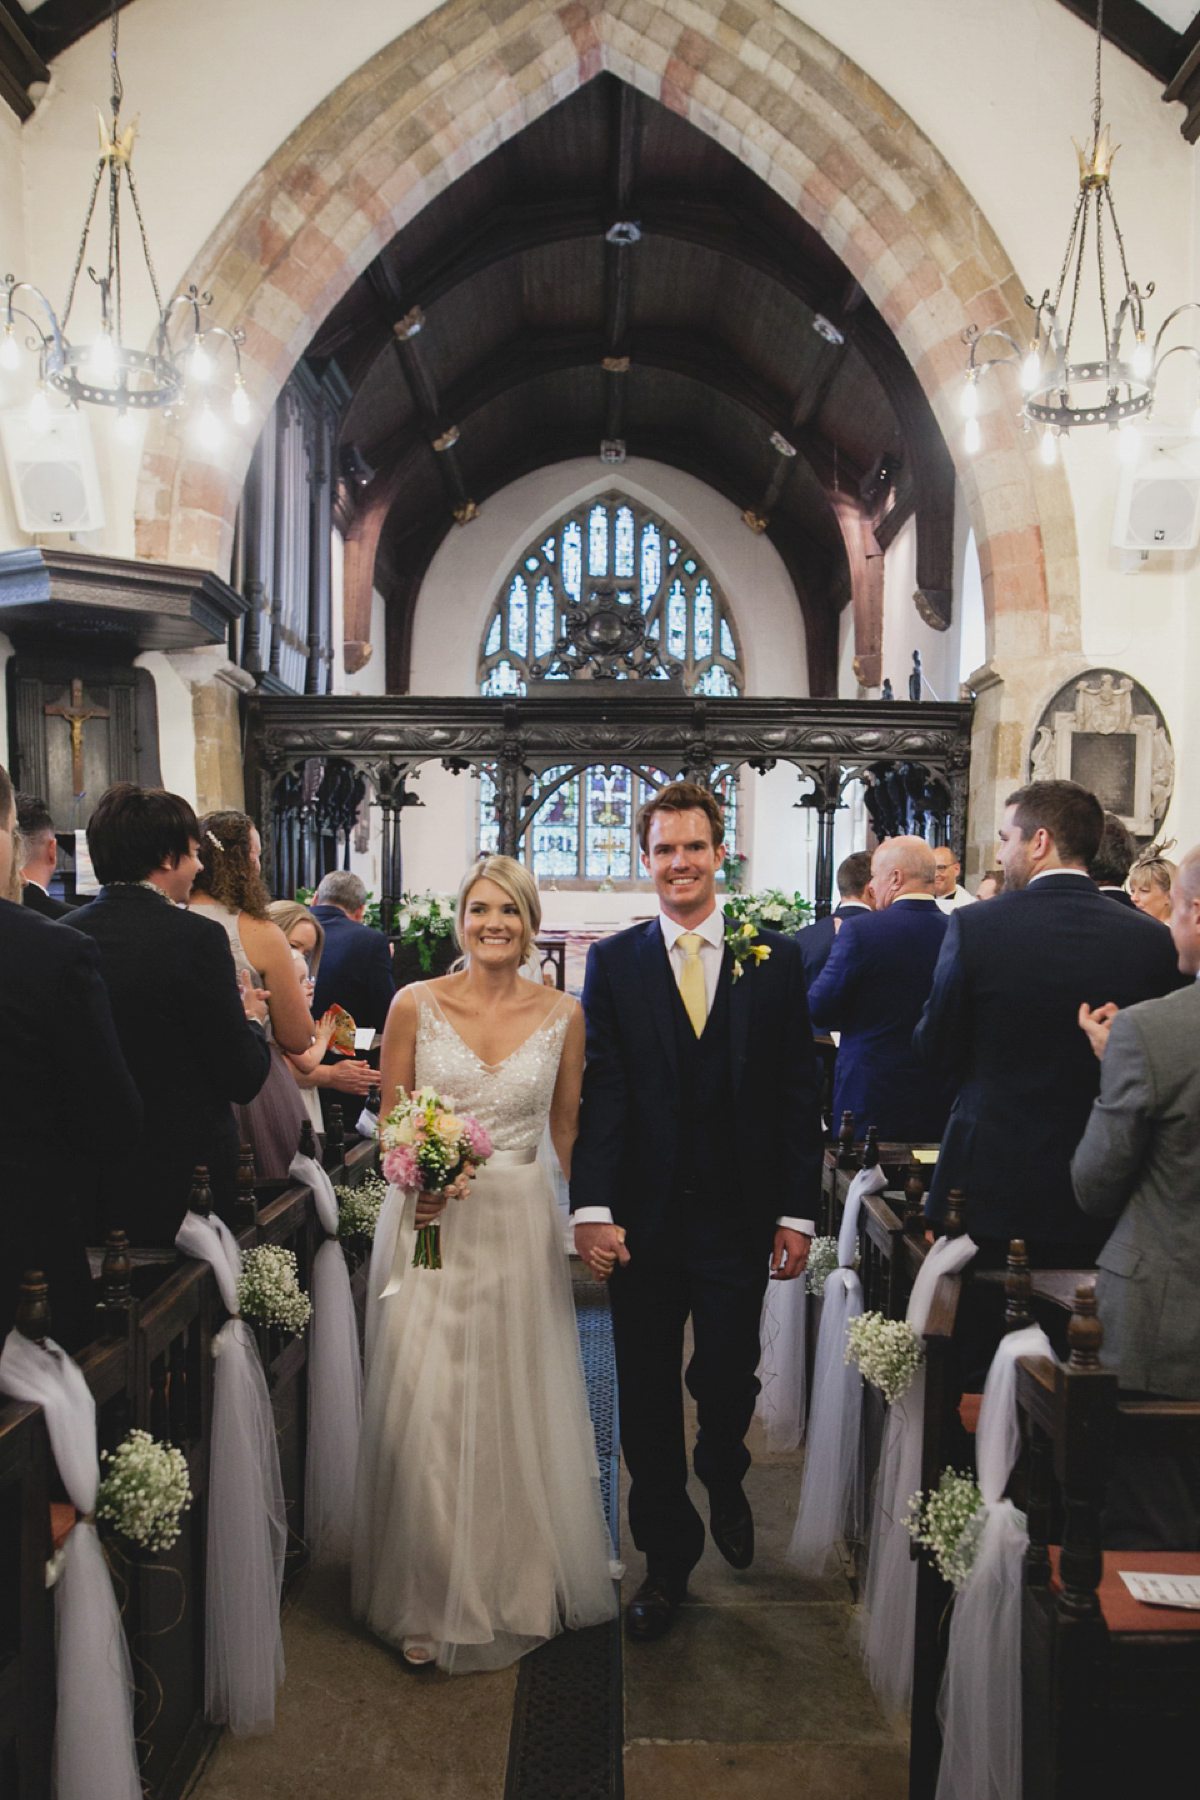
[427,1144]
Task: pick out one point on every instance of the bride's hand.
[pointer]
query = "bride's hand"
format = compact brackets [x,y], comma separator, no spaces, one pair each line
[429,1206]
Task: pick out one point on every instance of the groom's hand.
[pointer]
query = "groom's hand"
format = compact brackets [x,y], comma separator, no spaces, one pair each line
[790,1255]
[601,1247]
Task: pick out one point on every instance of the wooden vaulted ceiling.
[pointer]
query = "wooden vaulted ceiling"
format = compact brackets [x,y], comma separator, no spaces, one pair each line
[525,308]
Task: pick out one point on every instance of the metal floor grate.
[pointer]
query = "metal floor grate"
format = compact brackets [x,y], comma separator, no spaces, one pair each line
[567,1729]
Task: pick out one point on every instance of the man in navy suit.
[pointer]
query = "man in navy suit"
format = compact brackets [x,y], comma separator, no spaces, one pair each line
[873,990]
[1004,1017]
[696,1172]
[815,941]
[1110,866]
[356,964]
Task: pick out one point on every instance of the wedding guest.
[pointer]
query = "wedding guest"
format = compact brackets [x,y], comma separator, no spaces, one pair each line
[990,884]
[815,941]
[1138,1164]
[356,967]
[40,853]
[1150,881]
[873,989]
[191,1035]
[229,889]
[1002,1017]
[948,891]
[1110,866]
[348,1079]
[66,1100]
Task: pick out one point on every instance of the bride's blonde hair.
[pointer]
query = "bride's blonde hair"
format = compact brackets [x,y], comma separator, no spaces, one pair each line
[516,882]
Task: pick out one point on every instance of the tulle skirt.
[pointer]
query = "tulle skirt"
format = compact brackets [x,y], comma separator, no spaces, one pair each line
[478,1517]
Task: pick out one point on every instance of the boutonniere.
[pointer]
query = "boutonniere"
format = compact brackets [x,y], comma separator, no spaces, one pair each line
[740,938]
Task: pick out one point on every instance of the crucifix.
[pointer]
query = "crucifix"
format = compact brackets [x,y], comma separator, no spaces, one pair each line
[76,716]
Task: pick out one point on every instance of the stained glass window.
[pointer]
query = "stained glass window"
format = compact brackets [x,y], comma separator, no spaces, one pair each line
[677,612]
[598,541]
[623,554]
[543,619]
[702,616]
[572,559]
[651,563]
[518,617]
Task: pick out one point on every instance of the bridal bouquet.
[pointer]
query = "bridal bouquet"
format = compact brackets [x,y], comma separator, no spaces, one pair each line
[427,1145]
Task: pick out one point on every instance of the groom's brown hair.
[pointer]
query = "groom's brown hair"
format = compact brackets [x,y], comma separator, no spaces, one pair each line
[682,796]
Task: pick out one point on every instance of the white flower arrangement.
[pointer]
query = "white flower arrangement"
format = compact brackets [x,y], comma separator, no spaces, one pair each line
[776,910]
[887,1351]
[269,1291]
[822,1261]
[424,921]
[359,1207]
[145,1490]
[948,1521]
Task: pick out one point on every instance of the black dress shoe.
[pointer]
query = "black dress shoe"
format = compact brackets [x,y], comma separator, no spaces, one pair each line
[732,1526]
[652,1610]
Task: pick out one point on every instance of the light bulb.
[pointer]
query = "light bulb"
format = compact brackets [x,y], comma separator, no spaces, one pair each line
[10,350]
[972,437]
[208,429]
[39,410]
[239,405]
[1127,444]
[1143,361]
[102,359]
[201,363]
[1031,370]
[126,427]
[969,401]
[1049,447]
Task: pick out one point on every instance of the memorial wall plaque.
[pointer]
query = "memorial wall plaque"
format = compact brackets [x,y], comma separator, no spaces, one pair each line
[1105,731]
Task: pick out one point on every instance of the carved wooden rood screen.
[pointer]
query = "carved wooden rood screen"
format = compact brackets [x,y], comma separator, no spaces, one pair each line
[913,759]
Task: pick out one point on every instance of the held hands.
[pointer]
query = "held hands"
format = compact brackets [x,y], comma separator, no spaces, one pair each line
[254,999]
[790,1255]
[601,1247]
[1097,1025]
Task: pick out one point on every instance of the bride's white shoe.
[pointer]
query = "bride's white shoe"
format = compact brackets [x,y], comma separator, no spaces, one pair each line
[419,1652]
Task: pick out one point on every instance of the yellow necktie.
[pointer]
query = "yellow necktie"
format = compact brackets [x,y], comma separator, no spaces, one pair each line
[691,981]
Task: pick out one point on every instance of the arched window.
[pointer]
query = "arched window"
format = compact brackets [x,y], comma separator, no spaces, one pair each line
[582,818]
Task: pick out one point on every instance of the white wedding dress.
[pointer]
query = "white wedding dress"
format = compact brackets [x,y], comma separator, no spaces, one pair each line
[478,1517]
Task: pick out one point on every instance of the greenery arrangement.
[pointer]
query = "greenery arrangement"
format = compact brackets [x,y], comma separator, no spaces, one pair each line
[145,1490]
[948,1522]
[888,1352]
[822,1261]
[269,1291]
[771,908]
[425,921]
[359,1207]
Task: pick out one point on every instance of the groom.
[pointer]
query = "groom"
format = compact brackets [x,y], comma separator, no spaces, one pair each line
[696,1170]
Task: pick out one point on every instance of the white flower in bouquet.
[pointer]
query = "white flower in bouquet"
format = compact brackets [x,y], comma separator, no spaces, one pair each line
[269,1291]
[822,1261]
[948,1521]
[888,1352]
[145,1490]
[359,1207]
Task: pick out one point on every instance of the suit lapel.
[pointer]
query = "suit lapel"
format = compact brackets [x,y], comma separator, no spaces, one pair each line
[740,1002]
[656,973]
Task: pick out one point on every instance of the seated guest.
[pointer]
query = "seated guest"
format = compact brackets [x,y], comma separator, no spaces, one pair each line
[40,849]
[1003,1018]
[948,891]
[356,967]
[1150,881]
[191,1034]
[1138,1164]
[873,989]
[230,890]
[1110,866]
[67,1101]
[990,884]
[343,1075]
[815,941]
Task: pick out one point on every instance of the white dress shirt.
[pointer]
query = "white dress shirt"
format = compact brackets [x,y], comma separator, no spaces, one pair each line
[712,951]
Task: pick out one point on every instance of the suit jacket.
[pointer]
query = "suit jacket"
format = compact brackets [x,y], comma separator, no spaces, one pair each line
[815,941]
[627,1151]
[1003,1016]
[38,900]
[356,969]
[67,1101]
[190,1049]
[1120,896]
[1138,1162]
[873,990]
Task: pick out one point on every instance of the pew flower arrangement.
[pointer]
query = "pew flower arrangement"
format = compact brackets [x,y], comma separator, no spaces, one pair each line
[948,1522]
[425,921]
[359,1207]
[427,1145]
[145,1490]
[822,1261]
[771,908]
[269,1291]
[888,1352]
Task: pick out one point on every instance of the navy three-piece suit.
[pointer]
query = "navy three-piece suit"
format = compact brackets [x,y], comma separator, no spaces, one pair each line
[697,1146]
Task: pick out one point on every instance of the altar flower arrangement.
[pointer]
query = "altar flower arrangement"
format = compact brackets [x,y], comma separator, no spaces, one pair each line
[425,921]
[359,1207]
[269,1291]
[948,1521]
[145,1490]
[888,1352]
[771,909]
[426,1144]
[822,1261]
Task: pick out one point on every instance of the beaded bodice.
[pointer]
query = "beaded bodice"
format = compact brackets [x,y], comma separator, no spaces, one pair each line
[510,1099]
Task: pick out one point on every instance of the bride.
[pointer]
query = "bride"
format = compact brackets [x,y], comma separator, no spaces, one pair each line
[479,1528]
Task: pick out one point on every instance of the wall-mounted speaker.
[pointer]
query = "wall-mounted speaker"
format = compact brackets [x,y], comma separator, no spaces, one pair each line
[1158,497]
[52,471]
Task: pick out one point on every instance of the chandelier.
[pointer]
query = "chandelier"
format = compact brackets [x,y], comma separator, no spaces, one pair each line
[105,371]
[1061,387]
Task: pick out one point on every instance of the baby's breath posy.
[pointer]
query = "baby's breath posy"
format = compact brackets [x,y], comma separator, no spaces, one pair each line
[145,1490]
[822,1261]
[359,1207]
[887,1351]
[269,1290]
[948,1522]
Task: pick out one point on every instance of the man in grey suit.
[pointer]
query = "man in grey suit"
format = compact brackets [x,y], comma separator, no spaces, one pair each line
[1138,1162]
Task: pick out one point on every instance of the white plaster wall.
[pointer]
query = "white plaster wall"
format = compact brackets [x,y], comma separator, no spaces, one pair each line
[176,727]
[904,630]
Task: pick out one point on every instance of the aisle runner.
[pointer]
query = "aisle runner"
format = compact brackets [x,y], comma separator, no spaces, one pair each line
[567,1739]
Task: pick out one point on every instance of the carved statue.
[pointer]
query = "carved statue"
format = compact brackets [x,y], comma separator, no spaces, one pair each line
[914,680]
[1043,758]
[1162,773]
[1105,709]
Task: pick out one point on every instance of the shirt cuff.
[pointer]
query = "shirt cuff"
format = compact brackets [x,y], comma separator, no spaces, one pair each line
[592,1215]
[804,1226]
